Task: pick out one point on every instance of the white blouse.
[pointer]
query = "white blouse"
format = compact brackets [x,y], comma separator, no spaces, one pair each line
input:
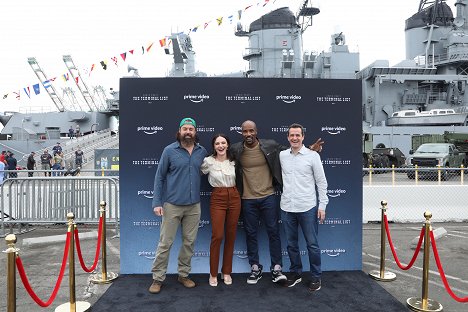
[220,173]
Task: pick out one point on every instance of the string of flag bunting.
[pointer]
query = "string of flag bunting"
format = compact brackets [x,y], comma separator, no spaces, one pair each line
[35,89]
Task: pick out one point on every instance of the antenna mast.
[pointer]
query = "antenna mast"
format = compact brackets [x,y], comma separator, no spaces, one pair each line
[304,16]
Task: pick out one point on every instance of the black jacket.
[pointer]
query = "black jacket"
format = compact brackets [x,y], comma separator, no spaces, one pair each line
[271,150]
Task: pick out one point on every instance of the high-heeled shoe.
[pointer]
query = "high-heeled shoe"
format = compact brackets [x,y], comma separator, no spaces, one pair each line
[213,280]
[227,279]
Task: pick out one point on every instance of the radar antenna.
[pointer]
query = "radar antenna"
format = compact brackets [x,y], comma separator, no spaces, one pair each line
[305,13]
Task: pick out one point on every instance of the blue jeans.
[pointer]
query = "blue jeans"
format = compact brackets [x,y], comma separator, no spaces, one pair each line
[309,224]
[266,208]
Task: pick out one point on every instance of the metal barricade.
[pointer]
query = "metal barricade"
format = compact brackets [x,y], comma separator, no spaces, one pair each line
[35,200]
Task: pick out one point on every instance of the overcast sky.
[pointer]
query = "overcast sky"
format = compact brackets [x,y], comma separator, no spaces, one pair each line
[95,30]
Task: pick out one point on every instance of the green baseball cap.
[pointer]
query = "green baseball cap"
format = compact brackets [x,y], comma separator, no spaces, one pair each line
[188,121]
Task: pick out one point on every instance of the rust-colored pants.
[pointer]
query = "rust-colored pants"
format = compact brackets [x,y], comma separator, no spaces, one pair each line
[225,207]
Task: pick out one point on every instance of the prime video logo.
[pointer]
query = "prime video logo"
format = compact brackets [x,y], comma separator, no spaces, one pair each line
[288,98]
[196,98]
[333,130]
[336,193]
[147,194]
[333,252]
[237,129]
[150,129]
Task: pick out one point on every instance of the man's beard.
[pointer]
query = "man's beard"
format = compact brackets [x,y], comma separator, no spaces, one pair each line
[189,140]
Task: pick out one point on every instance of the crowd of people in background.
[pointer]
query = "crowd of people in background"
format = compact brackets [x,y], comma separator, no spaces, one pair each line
[50,165]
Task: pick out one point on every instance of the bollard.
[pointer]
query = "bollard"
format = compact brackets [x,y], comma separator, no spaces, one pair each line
[424,303]
[462,172]
[381,275]
[73,305]
[393,174]
[11,252]
[105,277]
[416,175]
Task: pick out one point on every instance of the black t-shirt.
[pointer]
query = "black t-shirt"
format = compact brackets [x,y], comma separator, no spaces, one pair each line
[45,158]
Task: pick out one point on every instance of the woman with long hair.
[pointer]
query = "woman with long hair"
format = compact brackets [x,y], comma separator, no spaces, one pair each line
[225,207]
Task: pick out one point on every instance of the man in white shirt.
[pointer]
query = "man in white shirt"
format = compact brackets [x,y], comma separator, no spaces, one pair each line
[303,177]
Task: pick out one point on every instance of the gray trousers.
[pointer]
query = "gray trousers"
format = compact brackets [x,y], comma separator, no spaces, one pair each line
[173,216]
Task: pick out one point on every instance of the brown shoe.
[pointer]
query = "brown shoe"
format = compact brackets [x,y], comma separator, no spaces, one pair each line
[187,282]
[155,288]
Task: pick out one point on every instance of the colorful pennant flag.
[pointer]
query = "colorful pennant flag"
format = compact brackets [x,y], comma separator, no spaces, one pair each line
[195,28]
[65,77]
[123,55]
[149,47]
[76,79]
[219,20]
[46,84]
[5,96]
[162,42]
[36,89]
[17,94]
[104,65]
[142,50]
[131,51]
[114,58]
[230,17]
[27,91]
[206,24]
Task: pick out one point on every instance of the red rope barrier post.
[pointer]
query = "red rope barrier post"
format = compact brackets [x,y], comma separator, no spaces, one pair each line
[424,303]
[105,277]
[11,252]
[381,275]
[73,305]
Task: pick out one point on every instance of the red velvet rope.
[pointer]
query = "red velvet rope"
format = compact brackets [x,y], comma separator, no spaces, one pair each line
[98,248]
[24,278]
[390,242]
[441,271]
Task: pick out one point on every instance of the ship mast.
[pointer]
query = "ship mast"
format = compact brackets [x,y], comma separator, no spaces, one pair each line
[304,16]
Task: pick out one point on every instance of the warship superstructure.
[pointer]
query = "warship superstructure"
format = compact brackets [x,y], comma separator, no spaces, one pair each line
[424,94]
[427,92]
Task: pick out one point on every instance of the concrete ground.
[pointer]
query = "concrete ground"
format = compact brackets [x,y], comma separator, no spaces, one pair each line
[42,263]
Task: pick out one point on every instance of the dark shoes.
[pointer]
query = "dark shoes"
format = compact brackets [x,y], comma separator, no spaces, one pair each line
[155,288]
[277,275]
[255,274]
[293,279]
[187,282]
[315,285]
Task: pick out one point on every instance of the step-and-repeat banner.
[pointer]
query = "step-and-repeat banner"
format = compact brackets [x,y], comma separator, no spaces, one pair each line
[150,112]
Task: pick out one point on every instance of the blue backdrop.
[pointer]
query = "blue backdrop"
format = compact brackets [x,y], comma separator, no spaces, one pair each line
[151,109]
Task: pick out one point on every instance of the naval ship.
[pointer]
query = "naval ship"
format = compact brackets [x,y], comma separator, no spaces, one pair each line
[424,94]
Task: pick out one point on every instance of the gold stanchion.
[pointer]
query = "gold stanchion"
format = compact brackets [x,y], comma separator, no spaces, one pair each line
[105,277]
[370,174]
[11,252]
[393,174]
[424,303]
[381,275]
[73,305]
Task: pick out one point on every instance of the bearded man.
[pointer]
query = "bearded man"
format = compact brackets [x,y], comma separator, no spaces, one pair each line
[177,181]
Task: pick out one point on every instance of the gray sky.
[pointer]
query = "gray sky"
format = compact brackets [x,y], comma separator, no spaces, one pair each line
[96,30]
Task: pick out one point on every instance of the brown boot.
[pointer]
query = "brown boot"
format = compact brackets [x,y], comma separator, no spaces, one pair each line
[187,282]
[155,288]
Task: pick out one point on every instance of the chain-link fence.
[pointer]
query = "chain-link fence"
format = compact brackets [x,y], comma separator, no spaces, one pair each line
[410,192]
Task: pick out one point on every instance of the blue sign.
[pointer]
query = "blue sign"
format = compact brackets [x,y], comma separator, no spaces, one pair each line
[151,109]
